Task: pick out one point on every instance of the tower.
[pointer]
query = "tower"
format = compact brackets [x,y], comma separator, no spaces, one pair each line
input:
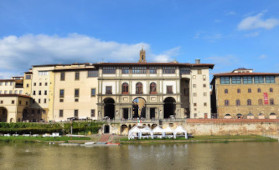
[142,56]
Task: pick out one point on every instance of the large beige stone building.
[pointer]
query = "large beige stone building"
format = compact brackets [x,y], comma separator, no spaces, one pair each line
[117,91]
[243,93]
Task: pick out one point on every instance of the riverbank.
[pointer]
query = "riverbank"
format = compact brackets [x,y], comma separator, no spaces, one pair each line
[200,139]
[30,139]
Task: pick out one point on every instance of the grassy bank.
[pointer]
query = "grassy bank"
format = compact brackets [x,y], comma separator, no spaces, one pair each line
[91,127]
[202,139]
[15,139]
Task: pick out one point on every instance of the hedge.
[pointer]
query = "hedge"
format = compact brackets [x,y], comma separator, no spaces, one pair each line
[40,128]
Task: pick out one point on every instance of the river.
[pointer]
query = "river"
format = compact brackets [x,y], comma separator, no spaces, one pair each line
[157,156]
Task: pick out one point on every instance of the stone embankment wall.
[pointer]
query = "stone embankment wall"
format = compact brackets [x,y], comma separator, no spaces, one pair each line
[232,126]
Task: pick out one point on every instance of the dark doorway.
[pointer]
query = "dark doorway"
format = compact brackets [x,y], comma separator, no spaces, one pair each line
[169,107]
[109,108]
[139,110]
[106,129]
[125,113]
[152,113]
[3,114]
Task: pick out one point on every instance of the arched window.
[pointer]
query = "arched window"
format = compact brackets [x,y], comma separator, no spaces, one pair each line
[226,91]
[260,102]
[125,88]
[227,102]
[239,116]
[139,88]
[271,101]
[271,90]
[259,90]
[153,88]
[249,102]
[238,91]
[237,102]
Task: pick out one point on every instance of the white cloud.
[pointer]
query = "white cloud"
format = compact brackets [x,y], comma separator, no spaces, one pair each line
[253,34]
[257,21]
[166,56]
[19,53]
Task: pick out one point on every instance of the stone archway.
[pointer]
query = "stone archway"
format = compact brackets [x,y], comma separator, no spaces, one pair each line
[169,107]
[3,114]
[109,108]
[139,109]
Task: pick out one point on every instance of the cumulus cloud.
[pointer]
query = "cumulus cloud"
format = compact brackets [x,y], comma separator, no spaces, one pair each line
[257,21]
[19,53]
[166,56]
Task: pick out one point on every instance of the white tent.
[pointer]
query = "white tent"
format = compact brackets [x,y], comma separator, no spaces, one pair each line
[134,132]
[157,130]
[168,131]
[146,132]
[180,130]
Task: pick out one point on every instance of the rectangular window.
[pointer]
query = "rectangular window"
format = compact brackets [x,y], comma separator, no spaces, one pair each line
[34,92]
[10,92]
[62,76]
[125,70]
[247,80]
[39,101]
[93,113]
[20,91]
[93,73]
[269,79]
[27,76]
[76,75]
[34,84]
[40,92]
[76,92]
[43,73]
[108,90]
[93,92]
[0,91]
[152,70]
[109,70]
[60,113]
[40,84]
[11,83]
[185,70]
[225,80]
[168,70]
[45,92]
[13,102]
[236,80]
[45,100]
[138,70]
[76,113]
[169,90]
[199,71]
[61,94]
[259,79]
[46,84]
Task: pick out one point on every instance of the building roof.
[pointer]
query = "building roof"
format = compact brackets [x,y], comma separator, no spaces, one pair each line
[3,80]
[241,74]
[245,74]
[52,65]
[156,64]
[14,95]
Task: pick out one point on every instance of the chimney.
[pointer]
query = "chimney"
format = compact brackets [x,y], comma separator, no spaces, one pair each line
[197,61]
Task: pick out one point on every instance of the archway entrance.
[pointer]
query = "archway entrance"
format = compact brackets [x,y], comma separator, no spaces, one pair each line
[169,107]
[109,108]
[139,110]
[106,129]
[3,114]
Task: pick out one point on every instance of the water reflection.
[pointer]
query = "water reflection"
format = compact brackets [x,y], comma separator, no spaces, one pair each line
[160,156]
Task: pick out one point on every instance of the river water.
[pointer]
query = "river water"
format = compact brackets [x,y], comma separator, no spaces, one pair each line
[158,156]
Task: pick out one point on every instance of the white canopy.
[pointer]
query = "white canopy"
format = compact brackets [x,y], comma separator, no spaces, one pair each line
[133,132]
[168,130]
[180,129]
[157,129]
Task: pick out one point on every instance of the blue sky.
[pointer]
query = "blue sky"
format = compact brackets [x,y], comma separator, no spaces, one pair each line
[228,33]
